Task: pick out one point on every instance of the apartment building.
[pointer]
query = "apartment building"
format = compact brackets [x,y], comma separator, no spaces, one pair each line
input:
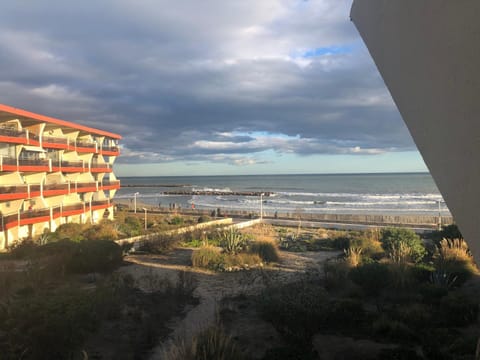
[52,172]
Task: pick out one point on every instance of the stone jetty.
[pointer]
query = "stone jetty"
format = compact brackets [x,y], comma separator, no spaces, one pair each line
[218,193]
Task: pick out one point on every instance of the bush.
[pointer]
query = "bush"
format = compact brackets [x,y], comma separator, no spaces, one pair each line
[335,274]
[23,249]
[267,250]
[403,245]
[208,257]
[159,243]
[457,309]
[131,226]
[297,310]
[95,256]
[47,326]
[177,220]
[69,231]
[104,231]
[204,218]
[372,277]
[392,329]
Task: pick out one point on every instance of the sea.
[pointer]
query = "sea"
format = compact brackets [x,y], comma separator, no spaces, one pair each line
[388,194]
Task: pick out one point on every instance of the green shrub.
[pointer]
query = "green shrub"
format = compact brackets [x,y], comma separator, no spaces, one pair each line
[106,230]
[47,326]
[23,249]
[267,250]
[208,257]
[297,310]
[403,244]
[69,231]
[335,274]
[159,243]
[392,329]
[131,226]
[372,277]
[95,256]
[176,220]
[204,218]
[458,309]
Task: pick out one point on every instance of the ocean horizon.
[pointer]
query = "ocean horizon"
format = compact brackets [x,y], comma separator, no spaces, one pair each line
[412,193]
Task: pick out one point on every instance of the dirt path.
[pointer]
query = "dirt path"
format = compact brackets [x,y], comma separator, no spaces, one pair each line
[212,287]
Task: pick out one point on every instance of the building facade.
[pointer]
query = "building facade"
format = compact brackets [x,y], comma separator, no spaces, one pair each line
[52,172]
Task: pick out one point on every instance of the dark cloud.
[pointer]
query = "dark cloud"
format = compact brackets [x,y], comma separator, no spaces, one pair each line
[201,81]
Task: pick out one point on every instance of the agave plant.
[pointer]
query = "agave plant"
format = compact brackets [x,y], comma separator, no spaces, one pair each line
[232,241]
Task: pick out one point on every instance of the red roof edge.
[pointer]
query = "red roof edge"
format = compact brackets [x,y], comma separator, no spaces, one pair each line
[51,120]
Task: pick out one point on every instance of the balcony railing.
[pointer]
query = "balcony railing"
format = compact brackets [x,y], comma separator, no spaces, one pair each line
[86,144]
[13,189]
[110,148]
[9,192]
[55,140]
[28,217]
[10,132]
[67,164]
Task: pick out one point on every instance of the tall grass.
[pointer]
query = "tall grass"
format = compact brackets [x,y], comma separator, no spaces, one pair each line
[453,259]
[208,257]
[210,344]
[353,256]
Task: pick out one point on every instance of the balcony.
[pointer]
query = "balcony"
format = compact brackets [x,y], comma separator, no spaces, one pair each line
[110,150]
[100,167]
[25,165]
[86,146]
[110,184]
[28,191]
[12,135]
[47,214]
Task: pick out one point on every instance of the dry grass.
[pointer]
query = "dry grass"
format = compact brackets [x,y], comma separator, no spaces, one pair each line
[261,232]
[209,257]
[210,344]
[453,254]
[353,257]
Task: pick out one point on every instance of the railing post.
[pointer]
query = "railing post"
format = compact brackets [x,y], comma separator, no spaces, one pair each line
[27,136]
[41,189]
[28,190]
[96,185]
[76,190]
[68,186]
[18,164]
[50,165]
[1,163]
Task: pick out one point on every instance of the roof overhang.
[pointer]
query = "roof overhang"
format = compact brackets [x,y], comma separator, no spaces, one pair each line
[29,118]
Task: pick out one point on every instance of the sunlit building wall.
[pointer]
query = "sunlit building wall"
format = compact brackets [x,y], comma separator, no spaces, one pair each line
[52,172]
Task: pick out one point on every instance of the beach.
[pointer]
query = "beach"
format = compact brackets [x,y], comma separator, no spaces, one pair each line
[353,194]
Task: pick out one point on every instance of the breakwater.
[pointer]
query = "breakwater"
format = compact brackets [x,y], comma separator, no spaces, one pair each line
[218,193]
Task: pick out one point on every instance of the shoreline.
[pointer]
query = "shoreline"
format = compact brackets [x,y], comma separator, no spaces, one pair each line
[346,218]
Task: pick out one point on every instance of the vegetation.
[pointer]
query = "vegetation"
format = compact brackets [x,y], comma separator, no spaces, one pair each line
[402,245]
[47,311]
[210,344]
[266,250]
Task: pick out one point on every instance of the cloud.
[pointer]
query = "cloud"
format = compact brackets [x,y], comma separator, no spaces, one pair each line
[215,81]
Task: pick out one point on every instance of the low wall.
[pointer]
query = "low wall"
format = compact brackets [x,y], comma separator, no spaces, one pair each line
[183,230]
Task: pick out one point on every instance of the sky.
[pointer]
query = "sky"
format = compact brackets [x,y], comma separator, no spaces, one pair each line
[208,87]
